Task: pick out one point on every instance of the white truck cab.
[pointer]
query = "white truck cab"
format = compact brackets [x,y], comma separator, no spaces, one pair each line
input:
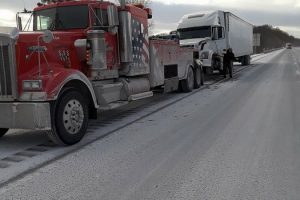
[212,33]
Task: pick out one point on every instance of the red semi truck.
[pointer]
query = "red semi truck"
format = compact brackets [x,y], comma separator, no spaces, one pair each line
[82,56]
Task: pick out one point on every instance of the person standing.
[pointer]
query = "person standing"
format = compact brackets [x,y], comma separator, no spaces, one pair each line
[228,62]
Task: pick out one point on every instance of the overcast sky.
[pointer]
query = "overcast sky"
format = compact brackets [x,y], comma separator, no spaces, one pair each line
[284,14]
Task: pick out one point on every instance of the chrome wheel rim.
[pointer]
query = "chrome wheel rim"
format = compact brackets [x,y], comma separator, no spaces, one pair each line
[73,117]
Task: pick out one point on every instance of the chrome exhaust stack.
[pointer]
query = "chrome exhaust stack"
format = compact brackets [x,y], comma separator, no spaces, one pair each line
[126,52]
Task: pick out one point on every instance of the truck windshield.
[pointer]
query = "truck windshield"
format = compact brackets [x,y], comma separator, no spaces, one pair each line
[194,32]
[61,18]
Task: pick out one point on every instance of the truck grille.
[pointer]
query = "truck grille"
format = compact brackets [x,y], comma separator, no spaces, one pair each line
[5,72]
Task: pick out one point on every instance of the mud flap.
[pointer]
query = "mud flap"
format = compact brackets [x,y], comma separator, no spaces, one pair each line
[171,84]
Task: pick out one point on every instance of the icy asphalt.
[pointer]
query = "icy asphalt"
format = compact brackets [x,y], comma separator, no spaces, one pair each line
[236,140]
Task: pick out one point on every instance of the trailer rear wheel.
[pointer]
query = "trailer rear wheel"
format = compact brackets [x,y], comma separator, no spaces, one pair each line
[69,118]
[246,60]
[3,131]
[188,83]
[197,78]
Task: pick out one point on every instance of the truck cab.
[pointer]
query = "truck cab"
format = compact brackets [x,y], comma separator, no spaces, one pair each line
[82,56]
[79,56]
[206,32]
[212,33]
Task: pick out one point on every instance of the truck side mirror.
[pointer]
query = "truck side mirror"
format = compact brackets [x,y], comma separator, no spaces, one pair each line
[113,19]
[48,36]
[215,33]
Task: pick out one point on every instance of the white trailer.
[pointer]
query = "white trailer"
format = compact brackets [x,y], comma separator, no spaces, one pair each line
[212,33]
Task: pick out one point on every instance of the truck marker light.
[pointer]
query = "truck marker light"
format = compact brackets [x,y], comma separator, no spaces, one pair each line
[32,85]
[88,55]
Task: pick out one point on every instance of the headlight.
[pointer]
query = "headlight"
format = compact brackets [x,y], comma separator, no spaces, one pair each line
[204,55]
[32,85]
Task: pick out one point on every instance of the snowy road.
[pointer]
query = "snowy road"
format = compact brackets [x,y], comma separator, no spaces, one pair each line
[238,139]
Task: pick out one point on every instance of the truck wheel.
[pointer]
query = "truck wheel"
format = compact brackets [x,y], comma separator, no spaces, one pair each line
[248,60]
[188,83]
[3,131]
[197,78]
[69,118]
[243,61]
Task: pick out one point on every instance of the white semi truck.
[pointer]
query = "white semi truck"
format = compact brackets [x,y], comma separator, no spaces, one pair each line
[212,33]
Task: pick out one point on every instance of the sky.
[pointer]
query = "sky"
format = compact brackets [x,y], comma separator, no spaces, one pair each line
[284,14]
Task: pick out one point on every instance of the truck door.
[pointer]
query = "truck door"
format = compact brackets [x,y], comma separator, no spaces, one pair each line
[219,38]
[101,22]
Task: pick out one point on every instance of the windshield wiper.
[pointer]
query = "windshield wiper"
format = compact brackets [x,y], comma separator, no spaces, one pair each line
[51,27]
[60,24]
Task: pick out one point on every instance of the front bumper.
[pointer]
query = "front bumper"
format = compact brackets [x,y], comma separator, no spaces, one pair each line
[20,115]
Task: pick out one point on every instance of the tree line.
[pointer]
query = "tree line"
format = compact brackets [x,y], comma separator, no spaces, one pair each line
[272,37]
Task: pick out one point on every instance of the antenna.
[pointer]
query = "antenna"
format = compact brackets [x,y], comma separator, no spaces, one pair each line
[25,10]
[24,5]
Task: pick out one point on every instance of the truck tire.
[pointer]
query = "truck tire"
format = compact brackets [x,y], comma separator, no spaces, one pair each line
[243,60]
[188,83]
[197,78]
[3,131]
[246,60]
[69,118]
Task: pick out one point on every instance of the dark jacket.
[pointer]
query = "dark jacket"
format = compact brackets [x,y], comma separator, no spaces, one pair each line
[228,57]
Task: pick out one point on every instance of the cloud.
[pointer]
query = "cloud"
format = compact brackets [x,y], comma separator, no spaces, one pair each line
[8,10]
[169,15]
[166,13]
[18,5]
[295,31]
[7,18]
[162,27]
[240,4]
[191,2]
